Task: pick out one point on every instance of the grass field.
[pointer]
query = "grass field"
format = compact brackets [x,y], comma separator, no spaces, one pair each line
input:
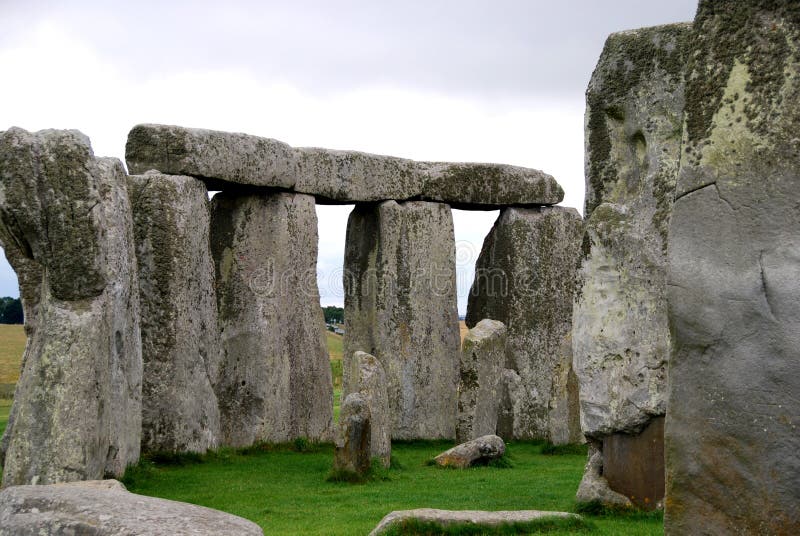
[12,344]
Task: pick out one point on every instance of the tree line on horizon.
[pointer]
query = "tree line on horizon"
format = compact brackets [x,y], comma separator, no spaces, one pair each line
[11,311]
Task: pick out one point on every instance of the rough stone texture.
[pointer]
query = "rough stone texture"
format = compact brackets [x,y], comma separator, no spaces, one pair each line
[369,379]
[332,176]
[89,509]
[620,340]
[210,154]
[564,423]
[489,185]
[524,278]
[734,278]
[594,487]
[510,390]
[483,354]
[275,377]
[633,465]
[400,306]
[77,406]
[468,518]
[480,450]
[353,453]
[180,338]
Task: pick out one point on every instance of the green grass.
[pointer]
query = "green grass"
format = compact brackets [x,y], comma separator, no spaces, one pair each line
[286,491]
[5,408]
[12,345]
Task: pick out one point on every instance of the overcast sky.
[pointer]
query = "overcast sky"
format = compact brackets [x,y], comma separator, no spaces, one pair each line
[487,81]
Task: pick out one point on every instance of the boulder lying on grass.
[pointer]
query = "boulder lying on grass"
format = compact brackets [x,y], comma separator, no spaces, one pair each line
[473,519]
[102,509]
[479,451]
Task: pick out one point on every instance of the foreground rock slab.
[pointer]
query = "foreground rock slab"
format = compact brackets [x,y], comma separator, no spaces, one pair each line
[620,339]
[77,406]
[474,452]
[107,510]
[400,306]
[275,377]
[353,452]
[370,379]
[465,517]
[224,158]
[483,354]
[180,338]
[734,278]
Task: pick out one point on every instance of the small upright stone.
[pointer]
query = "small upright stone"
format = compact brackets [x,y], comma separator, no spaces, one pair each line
[483,355]
[370,379]
[180,338]
[480,450]
[353,453]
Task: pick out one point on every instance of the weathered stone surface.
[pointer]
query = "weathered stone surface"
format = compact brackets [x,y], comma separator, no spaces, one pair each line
[353,453]
[468,518]
[734,278]
[400,306]
[108,484]
[180,338]
[210,154]
[275,377]
[594,487]
[525,278]
[77,407]
[633,465]
[480,450]
[564,423]
[489,185]
[483,354]
[332,176]
[367,376]
[510,391]
[620,340]
[69,510]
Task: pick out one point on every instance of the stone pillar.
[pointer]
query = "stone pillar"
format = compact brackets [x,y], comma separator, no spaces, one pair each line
[400,306]
[275,377]
[180,338]
[483,355]
[65,215]
[733,425]
[370,380]
[525,278]
[353,452]
[620,341]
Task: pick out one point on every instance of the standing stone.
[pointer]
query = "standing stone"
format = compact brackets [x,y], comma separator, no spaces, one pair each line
[620,340]
[180,338]
[400,306]
[370,380]
[353,453]
[77,406]
[275,378]
[525,278]
[483,355]
[733,425]
[564,409]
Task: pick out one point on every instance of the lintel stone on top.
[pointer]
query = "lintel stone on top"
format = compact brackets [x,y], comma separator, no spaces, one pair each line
[222,159]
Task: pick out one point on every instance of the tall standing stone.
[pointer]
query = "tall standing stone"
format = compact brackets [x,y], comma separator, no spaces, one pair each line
[732,429]
[483,355]
[77,406]
[275,377]
[400,306]
[525,278]
[353,452]
[180,338]
[620,341]
[370,382]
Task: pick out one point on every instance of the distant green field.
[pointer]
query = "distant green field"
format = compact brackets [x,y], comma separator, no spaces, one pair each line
[12,345]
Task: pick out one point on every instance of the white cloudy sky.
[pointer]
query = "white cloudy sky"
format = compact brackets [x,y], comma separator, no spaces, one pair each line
[456,80]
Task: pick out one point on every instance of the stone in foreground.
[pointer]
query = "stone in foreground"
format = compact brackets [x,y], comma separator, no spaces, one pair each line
[77,406]
[275,377]
[467,518]
[479,451]
[180,338]
[732,422]
[483,354]
[400,306]
[106,510]
[620,339]
[353,452]
[525,278]
[370,382]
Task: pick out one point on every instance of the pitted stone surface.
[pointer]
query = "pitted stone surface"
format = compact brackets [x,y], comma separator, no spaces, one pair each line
[367,377]
[77,407]
[483,354]
[400,306]
[731,432]
[275,377]
[180,338]
[353,452]
[525,278]
[468,518]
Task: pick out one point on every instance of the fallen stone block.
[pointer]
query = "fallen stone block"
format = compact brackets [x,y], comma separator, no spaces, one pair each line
[479,451]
